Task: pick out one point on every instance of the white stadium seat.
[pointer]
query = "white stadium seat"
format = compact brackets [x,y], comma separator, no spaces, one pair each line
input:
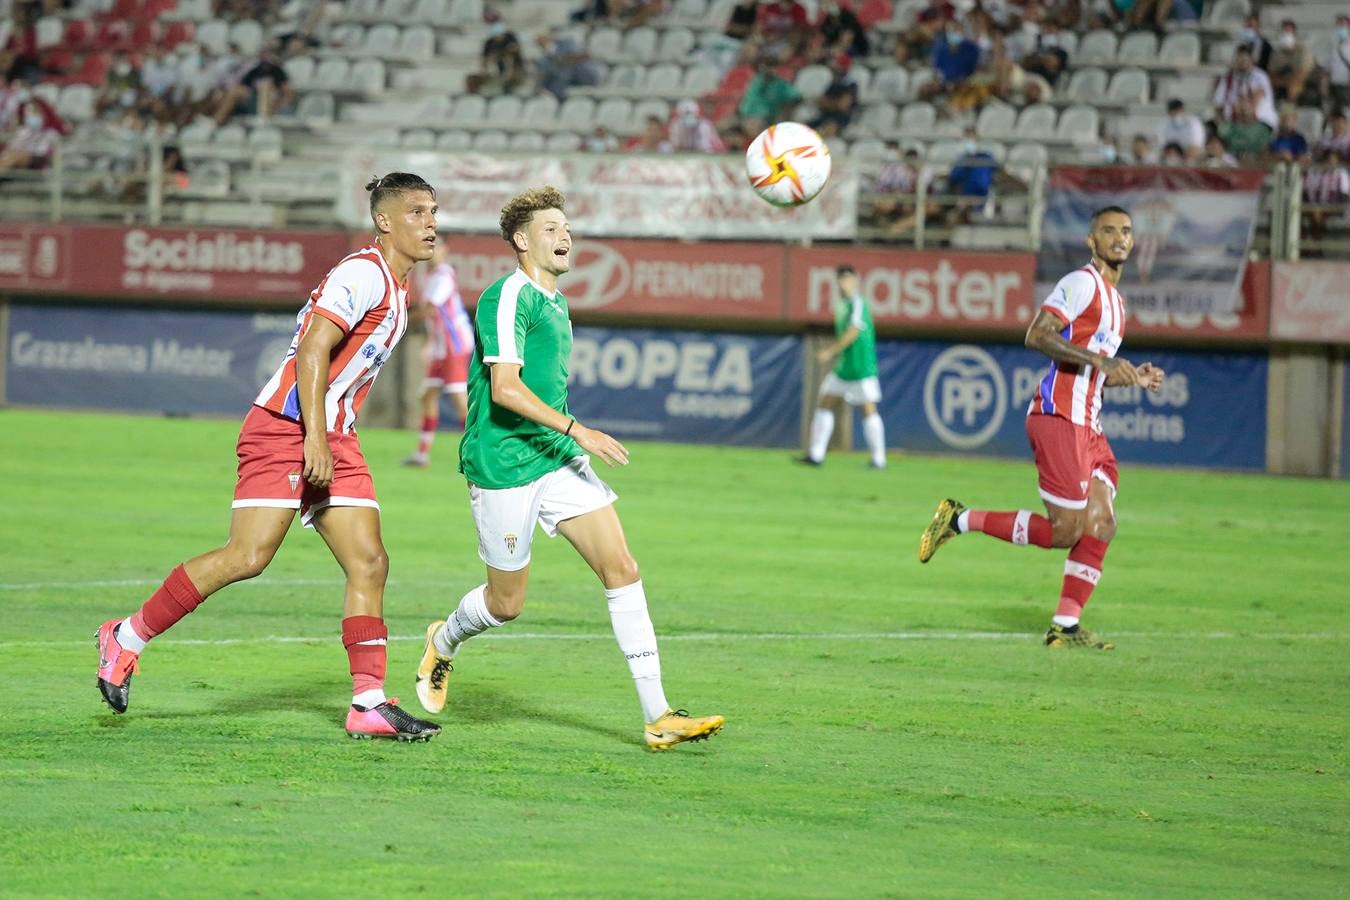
[996,120]
[454,141]
[615,113]
[381,40]
[1138,48]
[1226,13]
[527,142]
[316,108]
[662,79]
[1128,86]
[300,69]
[1036,121]
[891,84]
[214,34]
[649,107]
[505,112]
[470,111]
[540,111]
[1096,48]
[368,76]
[1079,125]
[812,81]
[604,44]
[563,142]
[491,141]
[626,78]
[869,150]
[1180,48]
[77,102]
[917,118]
[639,44]
[247,35]
[677,44]
[1088,85]
[417,42]
[465,12]
[700,80]
[332,74]
[877,119]
[1025,158]
[576,113]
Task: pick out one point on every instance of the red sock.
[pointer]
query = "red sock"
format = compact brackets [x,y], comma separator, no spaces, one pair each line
[175,598]
[1082,571]
[364,637]
[1021,527]
[427,435]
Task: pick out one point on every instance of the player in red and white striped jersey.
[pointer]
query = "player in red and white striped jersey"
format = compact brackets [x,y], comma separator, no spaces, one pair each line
[449,349]
[1080,327]
[298,450]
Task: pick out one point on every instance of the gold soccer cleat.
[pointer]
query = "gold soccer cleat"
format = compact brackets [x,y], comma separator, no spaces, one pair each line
[677,726]
[1059,636]
[433,672]
[941,530]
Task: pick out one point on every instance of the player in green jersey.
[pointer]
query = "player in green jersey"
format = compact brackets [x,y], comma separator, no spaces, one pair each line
[525,458]
[854,379]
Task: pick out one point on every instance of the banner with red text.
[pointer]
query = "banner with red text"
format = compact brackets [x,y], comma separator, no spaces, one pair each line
[218,264]
[1311,302]
[628,195]
[1192,231]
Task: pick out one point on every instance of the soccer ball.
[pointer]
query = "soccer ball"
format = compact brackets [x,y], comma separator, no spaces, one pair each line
[787,164]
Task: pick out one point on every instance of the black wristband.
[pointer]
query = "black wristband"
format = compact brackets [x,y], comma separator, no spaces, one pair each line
[568,432]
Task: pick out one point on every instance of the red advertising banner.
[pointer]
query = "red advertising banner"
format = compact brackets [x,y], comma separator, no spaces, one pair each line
[1311,302]
[714,280]
[988,291]
[183,263]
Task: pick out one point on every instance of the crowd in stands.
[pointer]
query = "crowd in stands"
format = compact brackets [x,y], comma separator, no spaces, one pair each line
[960,56]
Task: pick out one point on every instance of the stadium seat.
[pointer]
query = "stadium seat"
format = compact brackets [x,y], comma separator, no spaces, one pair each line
[527,142]
[347,37]
[332,74]
[891,85]
[1128,86]
[1079,125]
[381,40]
[247,35]
[198,131]
[996,120]
[49,91]
[434,108]
[49,32]
[79,34]
[1087,85]
[265,142]
[676,45]
[231,134]
[214,34]
[1220,53]
[431,12]
[111,34]
[362,11]
[155,9]
[1180,49]
[125,10]
[943,153]
[93,69]
[300,69]
[644,108]
[604,44]
[491,141]
[417,42]
[505,112]
[813,80]
[367,76]
[662,80]
[465,12]
[540,110]
[190,11]
[470,111]
[871,12]
[862,77]
[418,139]
[316,108]
[1309,123]
[1226,13]
[176,33]
[397,10]
[77,102]
[453,141]
[1096,48]
[700,80]
[876,120]
[690,11]
[639,44]
[1138,48]
[1025,158]
[563,142]
[1036,121]
[903,15]
[625,79]
[869,150]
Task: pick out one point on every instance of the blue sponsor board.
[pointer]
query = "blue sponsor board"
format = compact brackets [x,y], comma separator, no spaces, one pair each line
[174,361]
[690,386]
[943,397]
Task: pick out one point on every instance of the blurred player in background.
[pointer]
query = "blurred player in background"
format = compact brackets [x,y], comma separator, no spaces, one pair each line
[1080,327]
[854,379]
[526,462]
[298,450]
[449,347]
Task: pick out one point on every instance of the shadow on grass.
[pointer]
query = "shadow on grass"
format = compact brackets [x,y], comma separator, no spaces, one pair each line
[485,706]
[1025,616]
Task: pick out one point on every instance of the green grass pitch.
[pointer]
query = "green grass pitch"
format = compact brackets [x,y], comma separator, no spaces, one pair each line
[892,729]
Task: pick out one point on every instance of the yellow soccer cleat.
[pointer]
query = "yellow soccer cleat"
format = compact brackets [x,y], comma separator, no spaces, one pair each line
[676,726]
[1075,637]
[941,530]
[433,672]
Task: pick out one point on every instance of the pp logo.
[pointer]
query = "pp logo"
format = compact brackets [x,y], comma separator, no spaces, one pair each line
[965,397]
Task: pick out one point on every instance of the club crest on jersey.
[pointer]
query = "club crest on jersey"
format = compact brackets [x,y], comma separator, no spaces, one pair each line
[294,479]
[510,543]
[368,351]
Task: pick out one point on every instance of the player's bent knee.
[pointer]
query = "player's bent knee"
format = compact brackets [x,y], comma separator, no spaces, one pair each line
[621,573]
[249,562]
[504,606]
[370,568]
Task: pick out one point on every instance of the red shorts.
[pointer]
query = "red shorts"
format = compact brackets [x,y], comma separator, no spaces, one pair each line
[450,371]
[271,453]
[1068,457]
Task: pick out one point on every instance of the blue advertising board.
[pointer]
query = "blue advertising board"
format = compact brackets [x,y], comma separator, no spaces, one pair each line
[689,386]
[173,361]
[943,397]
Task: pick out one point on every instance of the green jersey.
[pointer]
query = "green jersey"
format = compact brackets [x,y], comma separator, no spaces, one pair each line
[859,359]
[517,321]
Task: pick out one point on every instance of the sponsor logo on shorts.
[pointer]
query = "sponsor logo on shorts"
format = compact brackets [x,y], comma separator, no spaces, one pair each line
[368,351]
[965,397]
[510,540]
[294,479]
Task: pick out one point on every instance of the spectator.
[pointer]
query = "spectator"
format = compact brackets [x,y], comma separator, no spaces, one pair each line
[1326,192]
[1288,144]
[767,99]
[635,13]
[842,31]
[652,140]
[1245,81]
[1251,36]
[1141,151]
[895,199]
[781,24]
[1157,13]
[501,67]
[929,24]
[741,22]
[1183,129]
[1038,49]
[693,132]
[1108,150]
[840,98]
[1245,136]
[971,178]
[1063,14]
[159,75]
[1337,136]
[1335,70]
[564,64]
[955,59]
[592,11]
[122,87]
[33,143]
[600,141]
[1217,155]
[1291,64]
[263,90]
[1173,155]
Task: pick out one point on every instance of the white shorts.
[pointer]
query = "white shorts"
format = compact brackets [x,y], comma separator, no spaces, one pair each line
[505,517]
[856,393]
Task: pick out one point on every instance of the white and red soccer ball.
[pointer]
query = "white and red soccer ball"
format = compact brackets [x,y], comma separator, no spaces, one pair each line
[787,164]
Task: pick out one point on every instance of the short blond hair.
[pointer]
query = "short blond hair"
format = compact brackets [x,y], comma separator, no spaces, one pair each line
[521,208]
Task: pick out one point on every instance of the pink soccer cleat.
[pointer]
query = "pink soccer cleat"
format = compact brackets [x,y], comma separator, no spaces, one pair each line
[387,720]
[116,665]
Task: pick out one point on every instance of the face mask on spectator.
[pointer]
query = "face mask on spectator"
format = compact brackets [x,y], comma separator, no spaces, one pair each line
[1108,153]
[1178,118]
[1050,40]
[1248,36]
[954,38]
[1343,32]
[122,68]
[969,147]
[496,28]
[1287,39]
[33,118]
[1031,28]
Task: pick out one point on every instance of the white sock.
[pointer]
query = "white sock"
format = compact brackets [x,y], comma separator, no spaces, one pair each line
[369,699]
[637,639]
[471,617]
[963,521]
[1065,621]
[822,426]
[875,434]
[128,638]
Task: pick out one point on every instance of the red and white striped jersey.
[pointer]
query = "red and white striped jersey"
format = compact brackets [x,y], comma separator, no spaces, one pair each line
[360,296]
[1093,313]
[450,331]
